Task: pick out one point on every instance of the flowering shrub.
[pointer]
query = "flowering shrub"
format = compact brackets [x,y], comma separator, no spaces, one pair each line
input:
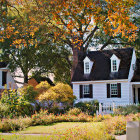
[133,117]
[4,109]
[100,118]
[74,111]
[45,119]
[116,125]
[130,109]
[15,124]
[87,132]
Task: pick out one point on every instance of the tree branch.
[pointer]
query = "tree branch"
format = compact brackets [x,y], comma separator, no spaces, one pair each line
[69,62]
[107,43]
[91,34]
[17,76]
[17,62]
[16,10]
[18,82]
[68,42]
[89,37]
[113,43]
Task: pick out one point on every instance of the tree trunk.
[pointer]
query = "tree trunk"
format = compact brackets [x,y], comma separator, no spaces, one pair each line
[25,78]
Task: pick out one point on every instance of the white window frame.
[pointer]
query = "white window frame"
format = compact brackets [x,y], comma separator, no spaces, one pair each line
[87,67]
[86,89]
[114,90]
[114,65]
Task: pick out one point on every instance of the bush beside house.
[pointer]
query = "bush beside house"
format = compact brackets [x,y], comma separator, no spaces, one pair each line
[56,97]
[89,107]
[126,110]
[17,104]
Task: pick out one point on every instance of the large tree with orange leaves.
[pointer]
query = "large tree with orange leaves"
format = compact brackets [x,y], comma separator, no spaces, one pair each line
[24,45]
[78,22]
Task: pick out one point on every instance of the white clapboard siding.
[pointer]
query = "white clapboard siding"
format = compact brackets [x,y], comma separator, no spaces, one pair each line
[10,81]
[100,93]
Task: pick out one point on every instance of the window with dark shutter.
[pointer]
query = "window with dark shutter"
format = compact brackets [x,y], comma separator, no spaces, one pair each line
[119,90]
[113,90]
[4,78]
[90,91]
[86,91]
[108,90]
[81,91]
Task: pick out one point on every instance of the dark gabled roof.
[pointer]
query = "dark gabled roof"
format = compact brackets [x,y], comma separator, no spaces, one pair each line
[101,69]
[45,79]
[3,64]
[40,79]
[136,77]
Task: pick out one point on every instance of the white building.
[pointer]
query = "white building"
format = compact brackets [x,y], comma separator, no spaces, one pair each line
[108,76]
[6,78]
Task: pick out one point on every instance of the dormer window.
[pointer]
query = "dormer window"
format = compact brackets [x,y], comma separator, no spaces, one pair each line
[87,67]
[115,62]
[114,65]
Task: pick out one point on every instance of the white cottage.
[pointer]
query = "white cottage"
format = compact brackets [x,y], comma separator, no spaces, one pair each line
[108,76]
[6,78]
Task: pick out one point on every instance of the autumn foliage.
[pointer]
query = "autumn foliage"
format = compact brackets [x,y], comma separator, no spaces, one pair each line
[60,93]
[73,21]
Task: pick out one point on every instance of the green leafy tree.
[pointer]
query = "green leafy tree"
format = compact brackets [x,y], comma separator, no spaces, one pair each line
[79,24]
[28,93]
[18,105]
[23,46]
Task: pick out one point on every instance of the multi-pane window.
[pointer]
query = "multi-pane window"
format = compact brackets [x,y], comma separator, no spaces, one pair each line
[114,90]
[87,67]
[85,89]
[114,65]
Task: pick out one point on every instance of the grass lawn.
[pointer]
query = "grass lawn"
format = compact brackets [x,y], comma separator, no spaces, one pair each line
[65,130]
[60,128]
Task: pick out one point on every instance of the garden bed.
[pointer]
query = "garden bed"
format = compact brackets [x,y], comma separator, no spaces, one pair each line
[66,130]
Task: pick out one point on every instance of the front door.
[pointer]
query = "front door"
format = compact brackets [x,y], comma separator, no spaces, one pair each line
[139,95]
[134,97]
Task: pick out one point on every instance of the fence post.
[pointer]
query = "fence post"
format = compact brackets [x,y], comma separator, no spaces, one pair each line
[100,108]
[97,112]
[113,107]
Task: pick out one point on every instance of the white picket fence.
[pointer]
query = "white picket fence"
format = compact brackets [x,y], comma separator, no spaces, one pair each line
[108,108]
